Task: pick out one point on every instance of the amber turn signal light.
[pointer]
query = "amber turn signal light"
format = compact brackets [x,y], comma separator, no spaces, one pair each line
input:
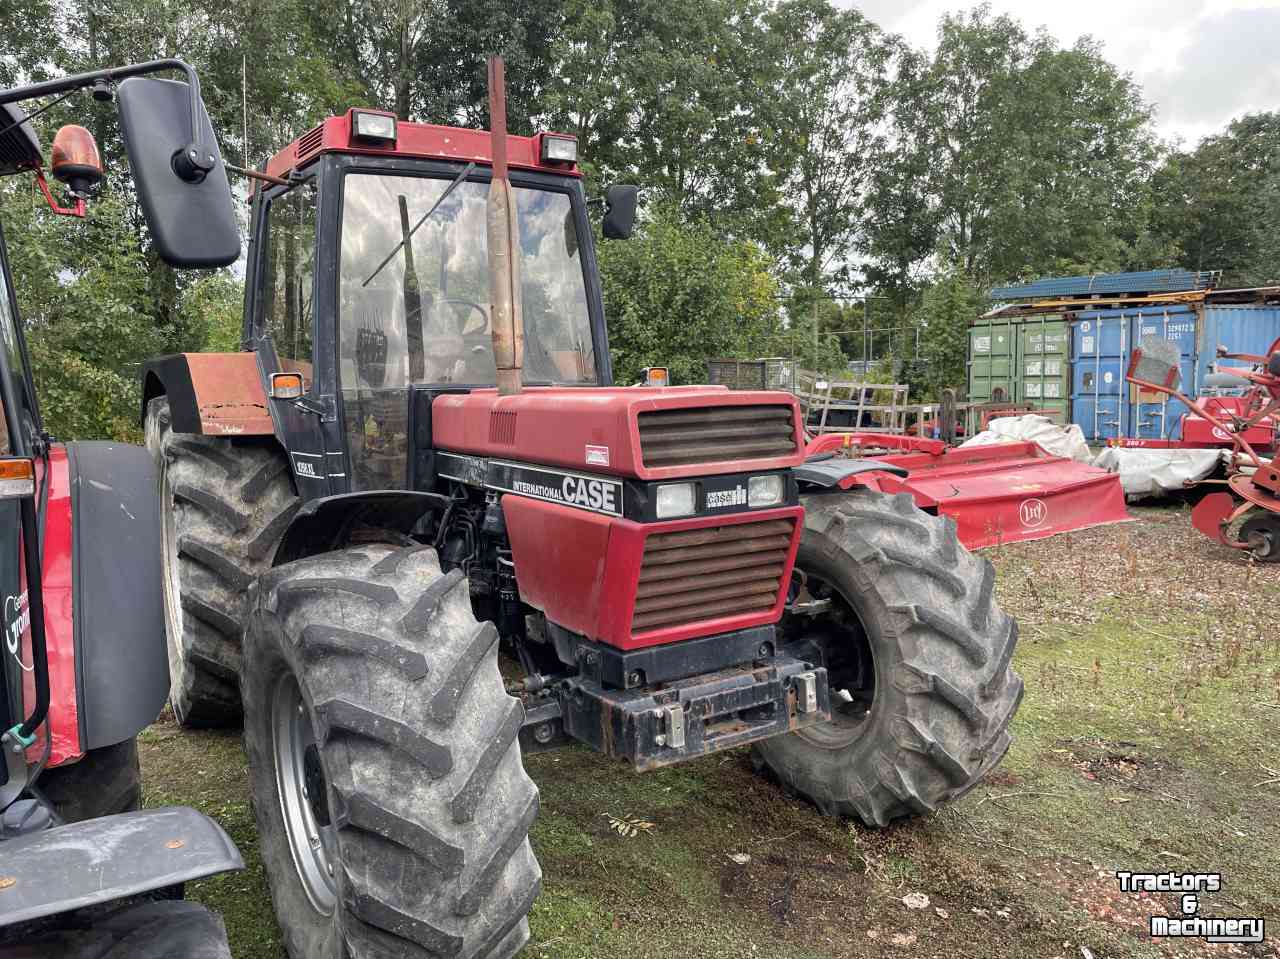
[17,477]
[75,159]
[286,386]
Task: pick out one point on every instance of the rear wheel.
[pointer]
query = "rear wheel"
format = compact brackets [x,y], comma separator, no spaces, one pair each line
[224,506]
[106,781]
[393,809]
[917,652]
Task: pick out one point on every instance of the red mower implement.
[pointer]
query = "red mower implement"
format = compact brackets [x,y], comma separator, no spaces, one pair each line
[1002,493]
[1248,517]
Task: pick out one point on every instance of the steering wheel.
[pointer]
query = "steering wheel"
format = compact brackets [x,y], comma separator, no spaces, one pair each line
[464,326]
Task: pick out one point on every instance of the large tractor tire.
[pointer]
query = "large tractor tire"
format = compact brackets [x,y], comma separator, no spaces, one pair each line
[106,781]
[224,505]
[392,806]
[917,654]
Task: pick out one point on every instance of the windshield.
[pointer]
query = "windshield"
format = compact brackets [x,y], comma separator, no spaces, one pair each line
[414,303]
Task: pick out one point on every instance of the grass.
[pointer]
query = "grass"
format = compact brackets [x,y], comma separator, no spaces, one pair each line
[1146,740]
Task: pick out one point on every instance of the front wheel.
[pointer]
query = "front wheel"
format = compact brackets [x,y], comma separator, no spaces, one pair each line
[393,809]
[917,654]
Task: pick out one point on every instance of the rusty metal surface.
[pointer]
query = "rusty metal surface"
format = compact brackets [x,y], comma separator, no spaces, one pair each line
[711,434]
[229,394]
[506,316]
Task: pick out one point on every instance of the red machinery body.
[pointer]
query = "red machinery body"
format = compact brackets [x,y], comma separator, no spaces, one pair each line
[1003,493]
[593,429]
[62,730]
[600,573]
[1200,433]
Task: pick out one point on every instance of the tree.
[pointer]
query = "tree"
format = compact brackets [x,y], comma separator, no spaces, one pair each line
[1217,205]
[677,294]
[826,106]
[947,307]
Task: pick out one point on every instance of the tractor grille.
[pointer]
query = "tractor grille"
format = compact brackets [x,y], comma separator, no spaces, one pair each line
[712,434]
[701,574]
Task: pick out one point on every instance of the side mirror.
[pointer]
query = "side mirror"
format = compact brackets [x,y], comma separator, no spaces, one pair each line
[187,206]
[620,211]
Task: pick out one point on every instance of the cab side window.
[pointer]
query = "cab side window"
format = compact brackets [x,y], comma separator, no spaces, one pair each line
[285,302]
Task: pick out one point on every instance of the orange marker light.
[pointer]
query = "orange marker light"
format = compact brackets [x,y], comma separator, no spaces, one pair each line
[286,386]
[17,477]
[656,376]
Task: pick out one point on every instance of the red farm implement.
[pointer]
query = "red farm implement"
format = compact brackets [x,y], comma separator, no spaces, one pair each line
[1247,517]
[996,494]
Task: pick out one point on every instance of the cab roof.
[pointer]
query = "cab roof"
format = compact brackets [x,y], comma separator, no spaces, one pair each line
[417,141]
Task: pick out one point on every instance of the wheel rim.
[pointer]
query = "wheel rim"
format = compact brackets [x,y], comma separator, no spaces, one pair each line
[1267,529]
[851,674]
[171,583]
[304,796]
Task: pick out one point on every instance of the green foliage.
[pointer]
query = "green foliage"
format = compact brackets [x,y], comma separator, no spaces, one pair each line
[945,311]
[678,294]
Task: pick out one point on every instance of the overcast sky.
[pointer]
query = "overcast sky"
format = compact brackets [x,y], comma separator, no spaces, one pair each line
[1201,62]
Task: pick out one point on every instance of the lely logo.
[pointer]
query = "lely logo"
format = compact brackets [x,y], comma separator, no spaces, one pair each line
[1033,512]
[17,620]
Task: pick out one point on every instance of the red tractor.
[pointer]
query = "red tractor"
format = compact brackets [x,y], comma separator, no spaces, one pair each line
[420,460]
[1248,517]
[84,667]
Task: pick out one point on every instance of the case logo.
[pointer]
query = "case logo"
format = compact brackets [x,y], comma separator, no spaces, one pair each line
[719,499]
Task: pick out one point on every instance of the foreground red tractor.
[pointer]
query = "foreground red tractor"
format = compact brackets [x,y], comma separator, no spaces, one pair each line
[84,669]
[1248,517]
[357,522]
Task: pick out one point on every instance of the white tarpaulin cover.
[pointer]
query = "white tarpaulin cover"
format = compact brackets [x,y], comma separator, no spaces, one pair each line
[1156,472]
[1059,440]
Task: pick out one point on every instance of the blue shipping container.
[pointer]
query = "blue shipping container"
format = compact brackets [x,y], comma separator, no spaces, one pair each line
[1105,406]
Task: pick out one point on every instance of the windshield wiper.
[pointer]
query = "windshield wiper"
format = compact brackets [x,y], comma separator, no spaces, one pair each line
[466,171]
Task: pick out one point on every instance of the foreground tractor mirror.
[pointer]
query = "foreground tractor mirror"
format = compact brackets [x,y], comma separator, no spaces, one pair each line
[620,211]
[1154,362]
[182,185]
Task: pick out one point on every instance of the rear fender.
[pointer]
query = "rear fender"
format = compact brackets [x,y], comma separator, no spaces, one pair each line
[217,394]
[325,524]
[101,860]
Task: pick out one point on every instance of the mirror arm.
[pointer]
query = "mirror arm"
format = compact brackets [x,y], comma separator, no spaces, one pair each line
[77,210]
[195,165]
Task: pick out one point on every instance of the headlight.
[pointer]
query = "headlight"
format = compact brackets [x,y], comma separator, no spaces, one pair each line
[675,499]
[373,127]
[557,149]
[764,491]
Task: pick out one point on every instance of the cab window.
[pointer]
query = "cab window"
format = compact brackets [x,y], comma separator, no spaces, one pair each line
[286,298]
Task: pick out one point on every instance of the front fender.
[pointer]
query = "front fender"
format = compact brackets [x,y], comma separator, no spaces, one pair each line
[325,524]
[819,474]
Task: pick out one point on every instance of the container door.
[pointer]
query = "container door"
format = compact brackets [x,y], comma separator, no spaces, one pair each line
[1099,341]
[1043,366]
[991,362]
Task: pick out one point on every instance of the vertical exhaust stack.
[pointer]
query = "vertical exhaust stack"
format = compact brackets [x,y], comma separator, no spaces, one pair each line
[507,320]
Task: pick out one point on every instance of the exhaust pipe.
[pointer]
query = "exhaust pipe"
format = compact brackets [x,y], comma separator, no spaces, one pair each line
[506,318]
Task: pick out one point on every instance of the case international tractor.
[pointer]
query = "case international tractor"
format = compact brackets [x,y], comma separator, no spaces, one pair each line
[420,458]
[84,873]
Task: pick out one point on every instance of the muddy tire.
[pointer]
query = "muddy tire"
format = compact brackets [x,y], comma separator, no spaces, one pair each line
[1262,526]
[376,722]
[106,781]
[914,638]
[224,506]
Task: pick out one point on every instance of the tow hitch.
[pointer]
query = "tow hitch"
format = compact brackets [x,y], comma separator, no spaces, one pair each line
[660,725]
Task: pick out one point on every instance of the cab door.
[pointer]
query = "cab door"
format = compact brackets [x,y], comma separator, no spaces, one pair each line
[18,427]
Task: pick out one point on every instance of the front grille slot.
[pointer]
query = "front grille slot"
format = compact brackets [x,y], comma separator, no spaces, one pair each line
[701,574]
[712,434]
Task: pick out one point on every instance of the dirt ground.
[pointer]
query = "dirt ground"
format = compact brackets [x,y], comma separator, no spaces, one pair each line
[1146,741]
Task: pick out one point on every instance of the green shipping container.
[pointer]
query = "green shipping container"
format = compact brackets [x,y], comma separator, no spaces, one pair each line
[1043,368]
[992,361]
